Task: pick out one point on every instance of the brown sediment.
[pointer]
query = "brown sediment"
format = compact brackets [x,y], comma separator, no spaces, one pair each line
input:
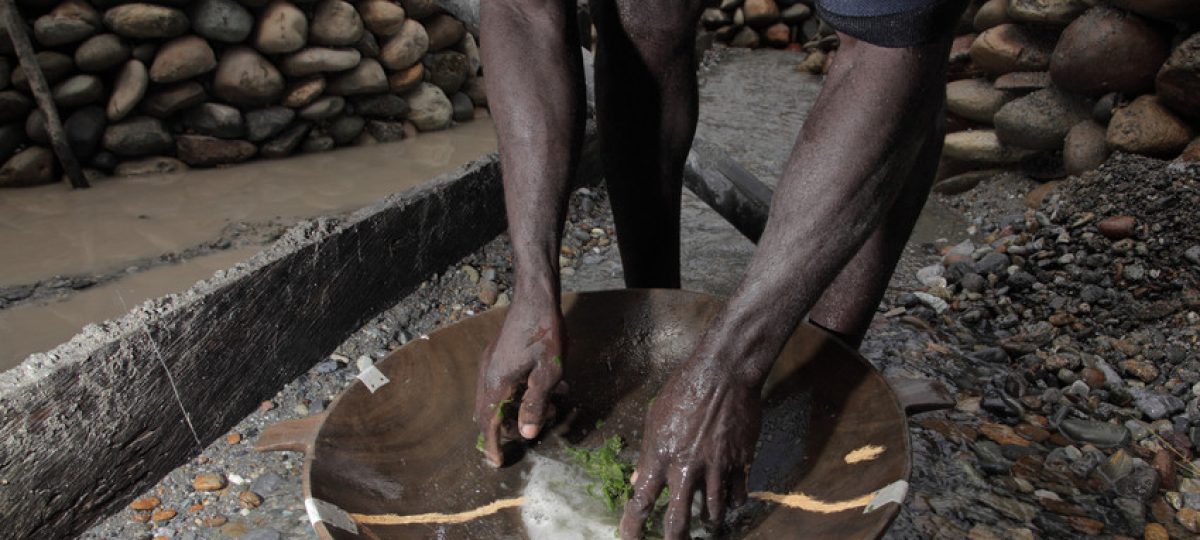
[803,501]
[867,453]
[438,517]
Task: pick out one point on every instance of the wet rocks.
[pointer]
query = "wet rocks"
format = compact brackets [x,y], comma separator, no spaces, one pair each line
[1117,227]
[430,109]
[403,81]
[981,147]
[245,78]
[368,77]
[215,119]
[1010,47]
[760,13]
[303,91]
[204,151]
[335,23]
[84,128]
[381,17]
[262,124]
[406,47]
[31,166]
[1040,120]
[181,59]
[1049,12]
[1107,50]
[444,31]
[139,136]
[975,99]
[168,101]
[323,108]
[208,482]
[1178,81]
[78,91]
[101,53]
[128,90]
[315,60]
[55,67]
[448,70]
[146,21]
[282,28]
[1084,147]
[14,106]
[1145,126]
[70,22]
[221,20]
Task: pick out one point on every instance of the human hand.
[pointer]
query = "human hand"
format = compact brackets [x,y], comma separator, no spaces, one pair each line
[700,433]
[526,355]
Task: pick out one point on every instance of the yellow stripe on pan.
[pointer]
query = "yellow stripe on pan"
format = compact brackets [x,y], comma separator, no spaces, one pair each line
[437,517]
[866,453]
[802,501]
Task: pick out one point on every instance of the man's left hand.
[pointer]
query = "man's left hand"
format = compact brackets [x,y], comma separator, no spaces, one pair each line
[700,434]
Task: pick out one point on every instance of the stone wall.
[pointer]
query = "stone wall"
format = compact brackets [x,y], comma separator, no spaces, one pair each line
[159,87]
[1051,87]
[764,23]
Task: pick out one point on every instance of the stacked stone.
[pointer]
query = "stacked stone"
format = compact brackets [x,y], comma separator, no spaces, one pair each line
[764,23]
[152,88]
[1053,86]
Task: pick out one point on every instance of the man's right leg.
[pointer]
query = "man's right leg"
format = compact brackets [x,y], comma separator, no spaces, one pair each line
[646,107]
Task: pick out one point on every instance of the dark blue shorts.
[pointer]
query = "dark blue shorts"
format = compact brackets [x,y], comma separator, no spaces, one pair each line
[893,23]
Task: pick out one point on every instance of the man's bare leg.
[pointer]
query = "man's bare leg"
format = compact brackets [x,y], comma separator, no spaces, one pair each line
[646,107]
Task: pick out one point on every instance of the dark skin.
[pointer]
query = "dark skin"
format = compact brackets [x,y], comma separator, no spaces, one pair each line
[846,203]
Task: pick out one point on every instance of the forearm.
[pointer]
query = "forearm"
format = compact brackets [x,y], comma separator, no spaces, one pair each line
[877,108]
[535,87]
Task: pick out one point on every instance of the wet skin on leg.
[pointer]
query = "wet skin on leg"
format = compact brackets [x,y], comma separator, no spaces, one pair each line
[535,81]
[858,148]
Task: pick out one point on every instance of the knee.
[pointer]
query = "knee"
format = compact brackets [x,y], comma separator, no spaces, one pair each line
[653,26]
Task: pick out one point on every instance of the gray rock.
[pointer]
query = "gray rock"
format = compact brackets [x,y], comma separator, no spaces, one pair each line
[444,31]
[406,47]
[286,143]
[55,67]
[149,166]
[146,21]
[303,91]
[215,119]
[476,90]
[1154,405]
[78,91]
[1141,484]
[266,484]
[222,20]
[12,136]
[388,106]
[335,23]
[1132,513]
[31,166]
[140,136]
[101,53]
[464,110]
[314,60]
[262,534]
[367,78]
[975,99]
[345,129]
[204,151]
[323,108]
[368,46]
[317,142]
[430,108]
[1040,120]
[448,70]
[419,9]
[1101,434]
[69,22]
[382,17]
[1084,148]
[262,124]
[247,79]
[128,90]
[283,28]
[84,128]
[992,263]
[181,59]
[384,131]
[173,99]
[14,106]
[1193,254]
[982,146]
[795,14]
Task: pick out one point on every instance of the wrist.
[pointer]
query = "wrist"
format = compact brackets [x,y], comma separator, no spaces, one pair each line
[747,346]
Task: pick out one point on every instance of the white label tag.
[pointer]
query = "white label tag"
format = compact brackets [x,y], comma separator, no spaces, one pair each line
[319,510]
[373,378]
[891,493]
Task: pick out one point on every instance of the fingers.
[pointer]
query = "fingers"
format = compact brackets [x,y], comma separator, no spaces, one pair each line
[679,510]
[714,496]
[541,383]
[737,485]
[492,425]
[646,487]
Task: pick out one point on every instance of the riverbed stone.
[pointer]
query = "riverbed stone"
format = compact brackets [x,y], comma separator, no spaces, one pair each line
[36,128]
[1107,50]
[795,14]
[463,109]
[388,106]
[368,46]
[84,128]
[317,141]
[205,151]
[282,28]
[146,21]
[286,142]
[366,78]
[216,120]
[304,91]
[1040,120]
[1084,148]
[476,90]
[975,99]
[128,90]
[69,22]
[323,108]
[381,17]
[262,124]
[101,53]
[760,13]
[714,18]
[430,108]
[14,106]
[983,147]
[29,167]
[1048,12]
[77,91]
[55,67]
[181,59]
[745,38]
[150,166]
[991,14]
[1178,82]
[419,9]
[1012,47]
[12,136]
[335,23]
[247,79]
[315,60]
[448,70]
[406,47]
[138,136]
[345,129]
[403,81]
[222,20]
[172,99]
[444,31]
[1145,126]
[385,131]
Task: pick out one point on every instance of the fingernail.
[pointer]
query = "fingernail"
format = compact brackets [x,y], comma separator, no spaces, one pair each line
[633,477]
[529,431]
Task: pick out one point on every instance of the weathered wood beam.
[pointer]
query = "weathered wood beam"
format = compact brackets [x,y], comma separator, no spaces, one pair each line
[728,188]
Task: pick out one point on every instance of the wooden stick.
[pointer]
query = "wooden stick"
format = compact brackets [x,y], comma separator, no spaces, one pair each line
[11,19]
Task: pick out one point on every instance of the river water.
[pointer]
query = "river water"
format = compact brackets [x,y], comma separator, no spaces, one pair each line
[49,231]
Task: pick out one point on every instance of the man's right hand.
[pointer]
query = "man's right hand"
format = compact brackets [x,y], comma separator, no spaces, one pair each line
[527,355]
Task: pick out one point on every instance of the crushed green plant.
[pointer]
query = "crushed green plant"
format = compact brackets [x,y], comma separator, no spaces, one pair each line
[610,480]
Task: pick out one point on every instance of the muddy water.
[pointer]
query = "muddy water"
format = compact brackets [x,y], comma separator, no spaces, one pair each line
[52,230]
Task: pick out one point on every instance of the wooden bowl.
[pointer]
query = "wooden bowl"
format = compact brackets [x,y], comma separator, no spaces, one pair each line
[834,435]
